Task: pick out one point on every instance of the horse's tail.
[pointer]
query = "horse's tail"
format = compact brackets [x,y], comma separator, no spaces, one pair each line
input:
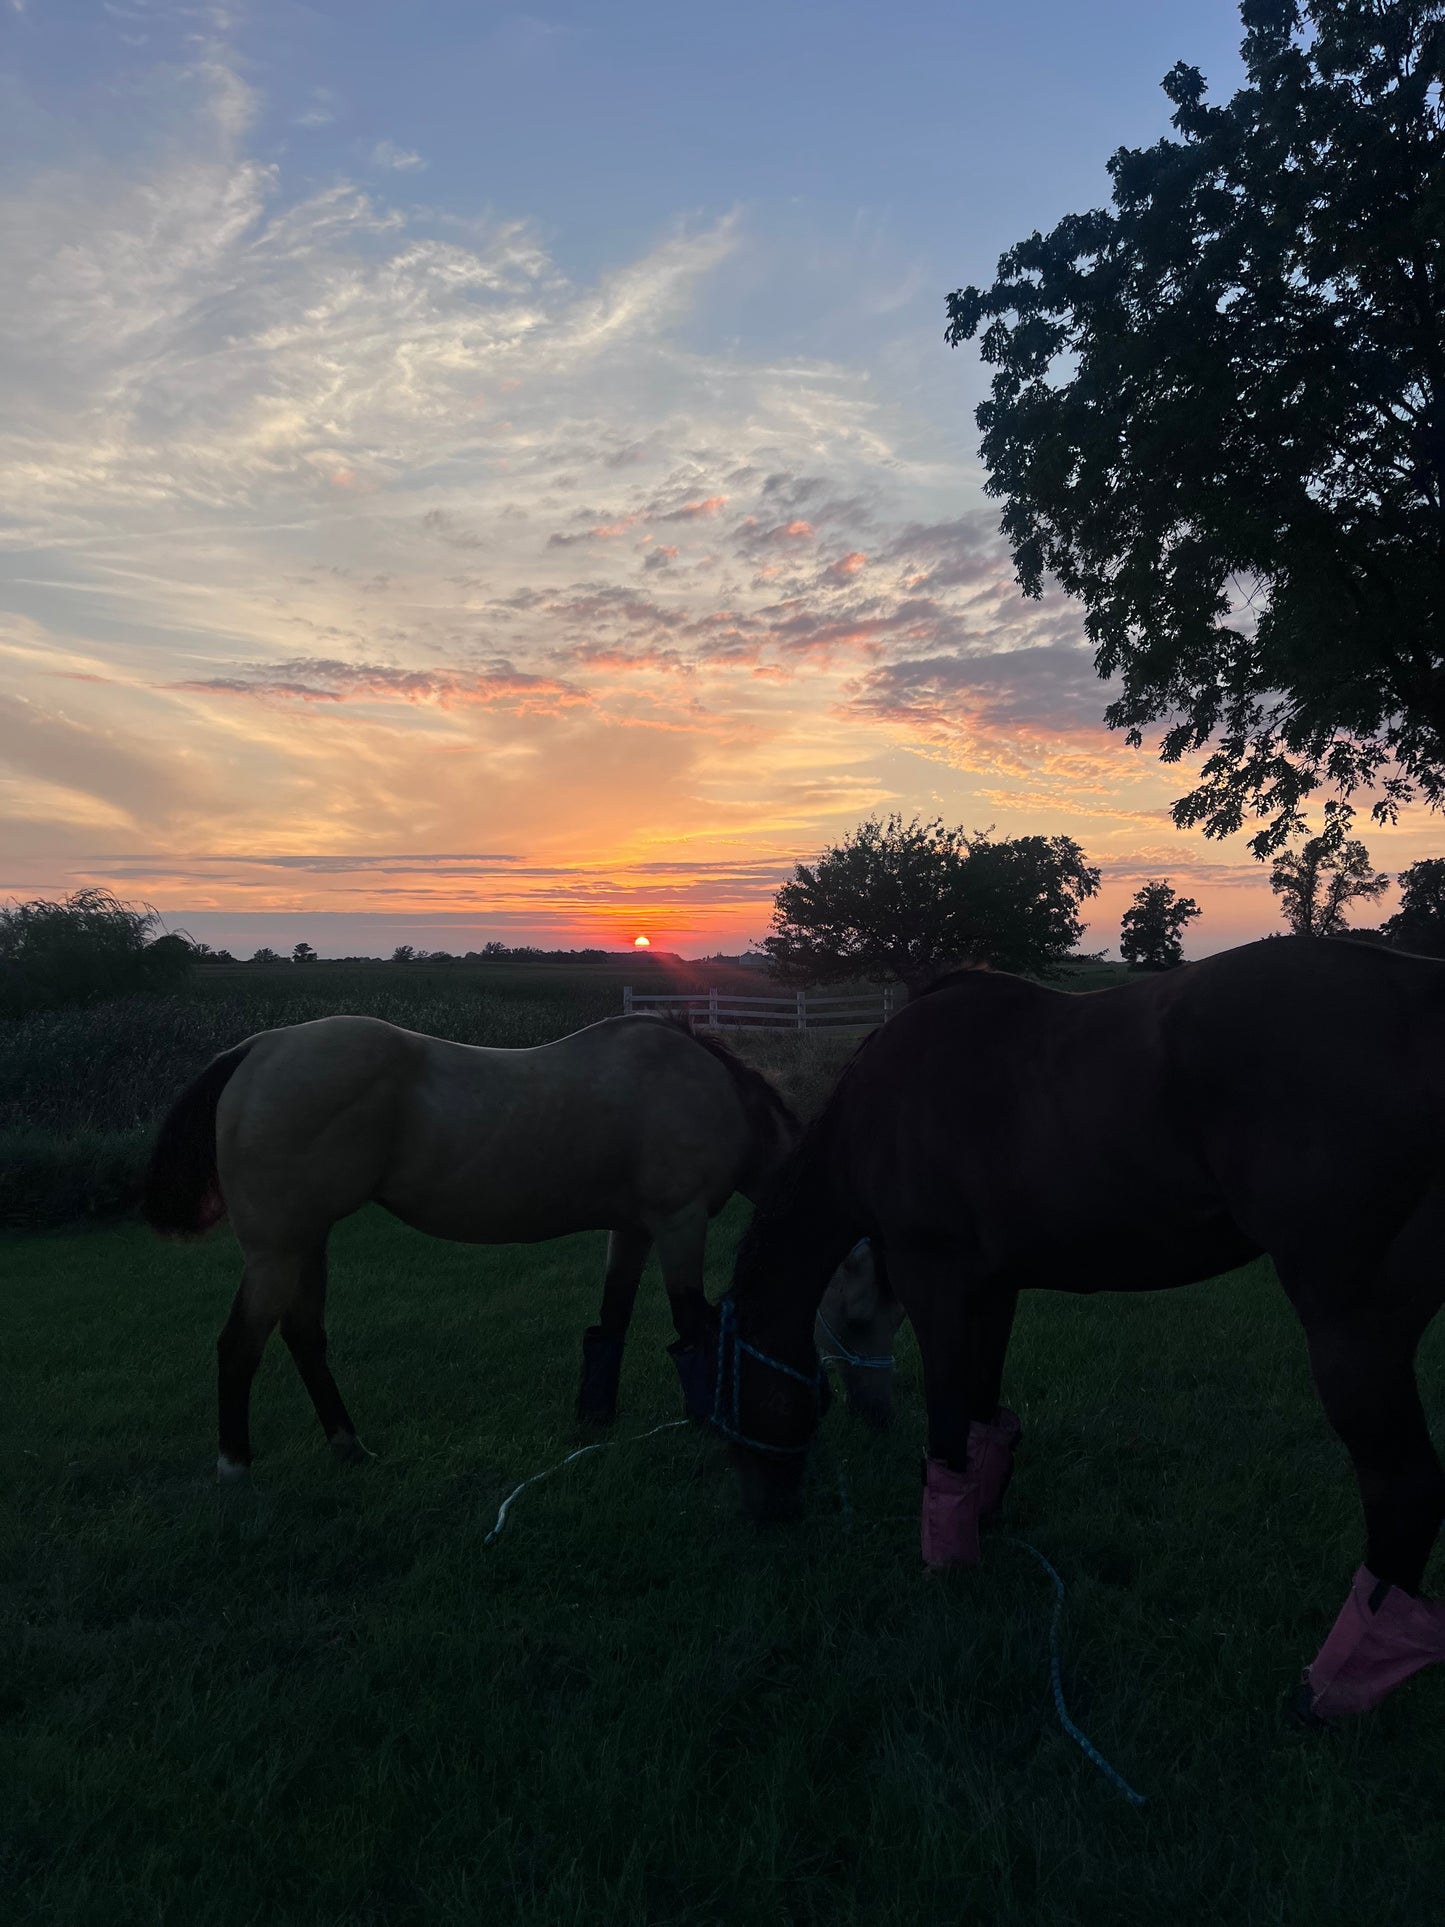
[182,1194]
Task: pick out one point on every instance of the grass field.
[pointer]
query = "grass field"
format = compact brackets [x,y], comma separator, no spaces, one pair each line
[324,1701]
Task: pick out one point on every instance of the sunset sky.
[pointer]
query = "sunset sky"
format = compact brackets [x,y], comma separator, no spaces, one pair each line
[468,473]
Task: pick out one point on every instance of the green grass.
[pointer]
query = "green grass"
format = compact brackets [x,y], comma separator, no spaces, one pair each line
[324,1701]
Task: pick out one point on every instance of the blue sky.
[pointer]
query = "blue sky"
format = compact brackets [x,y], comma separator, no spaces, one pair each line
[434,428]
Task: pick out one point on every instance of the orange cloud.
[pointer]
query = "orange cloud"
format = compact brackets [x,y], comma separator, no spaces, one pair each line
[847,565]
[695,511]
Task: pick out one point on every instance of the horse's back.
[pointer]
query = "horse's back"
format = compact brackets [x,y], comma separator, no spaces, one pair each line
[624,1121]
[1183,1115]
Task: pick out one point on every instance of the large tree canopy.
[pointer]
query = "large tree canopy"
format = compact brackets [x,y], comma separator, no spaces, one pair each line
[907,900]
[1218,417]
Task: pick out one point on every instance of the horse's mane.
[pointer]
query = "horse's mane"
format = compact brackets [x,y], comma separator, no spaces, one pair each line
[760,1097]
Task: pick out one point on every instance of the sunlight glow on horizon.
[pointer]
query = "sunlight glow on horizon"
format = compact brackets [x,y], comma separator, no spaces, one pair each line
[347,523]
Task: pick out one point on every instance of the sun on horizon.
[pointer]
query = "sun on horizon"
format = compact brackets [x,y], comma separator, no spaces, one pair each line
[642,943]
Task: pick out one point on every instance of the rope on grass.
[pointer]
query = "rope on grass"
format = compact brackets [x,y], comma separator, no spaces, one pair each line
[1076,1733]
[580,1453]
[1081,1739]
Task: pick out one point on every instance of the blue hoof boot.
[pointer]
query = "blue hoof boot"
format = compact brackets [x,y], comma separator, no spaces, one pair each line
[697,1370]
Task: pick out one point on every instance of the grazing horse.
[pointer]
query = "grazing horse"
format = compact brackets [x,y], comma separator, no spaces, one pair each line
[855,1329]
[1284,1098]
[633,1125]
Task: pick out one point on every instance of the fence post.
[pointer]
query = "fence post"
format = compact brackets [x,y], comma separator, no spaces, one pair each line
[802,1010]
[627,1000]
[712,1008]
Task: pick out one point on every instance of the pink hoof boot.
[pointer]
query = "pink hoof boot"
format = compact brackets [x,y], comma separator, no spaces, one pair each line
[950,1516]
[1381,1637]
[991,1451]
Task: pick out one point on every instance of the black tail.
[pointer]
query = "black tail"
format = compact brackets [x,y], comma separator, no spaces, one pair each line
[182,1196]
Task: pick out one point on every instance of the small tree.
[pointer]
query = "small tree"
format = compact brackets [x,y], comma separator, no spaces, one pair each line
[1316,884]
[1153,925]
[303,953]
[403,953]
[906,900]
[265,955]
[1419,923]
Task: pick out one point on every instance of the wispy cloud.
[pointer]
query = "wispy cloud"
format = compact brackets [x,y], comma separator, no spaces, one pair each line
[400,160]
[330,525]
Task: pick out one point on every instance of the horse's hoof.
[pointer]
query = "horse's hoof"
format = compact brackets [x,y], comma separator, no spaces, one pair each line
[598,1418]
[347,1449]
[231,1471]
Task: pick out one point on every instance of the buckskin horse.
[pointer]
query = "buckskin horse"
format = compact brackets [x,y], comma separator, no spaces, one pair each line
[1285,1098]
[634,1125]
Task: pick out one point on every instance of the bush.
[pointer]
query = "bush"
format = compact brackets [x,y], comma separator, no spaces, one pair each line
[86,948]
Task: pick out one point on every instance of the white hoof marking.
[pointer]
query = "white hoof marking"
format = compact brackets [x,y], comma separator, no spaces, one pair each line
[228,1471]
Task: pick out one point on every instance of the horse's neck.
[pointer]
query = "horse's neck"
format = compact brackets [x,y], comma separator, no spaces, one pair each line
[794,1245]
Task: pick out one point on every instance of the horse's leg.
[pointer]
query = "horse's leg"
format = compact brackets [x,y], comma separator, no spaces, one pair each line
[681,1248]
[602,1343]
[269,1284]
[1366,1381]
[303,1326]
[1362,1355]
[963,1332]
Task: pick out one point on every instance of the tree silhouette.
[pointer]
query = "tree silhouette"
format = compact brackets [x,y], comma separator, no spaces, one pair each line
[303,953]
[403,953]
[1317,883]
[1419,923]
[1153,925]
[85,947]
[1218,418]
[907,900]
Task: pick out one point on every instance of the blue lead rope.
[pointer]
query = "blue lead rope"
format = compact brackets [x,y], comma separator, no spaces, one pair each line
[1080,1738]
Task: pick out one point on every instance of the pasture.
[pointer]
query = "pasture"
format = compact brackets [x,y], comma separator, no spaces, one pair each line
[323,1701]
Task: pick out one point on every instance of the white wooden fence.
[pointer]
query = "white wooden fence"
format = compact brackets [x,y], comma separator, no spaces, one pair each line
[804,1010]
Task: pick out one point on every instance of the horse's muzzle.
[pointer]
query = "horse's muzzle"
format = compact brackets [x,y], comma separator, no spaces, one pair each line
[869,1392]
[771,1486]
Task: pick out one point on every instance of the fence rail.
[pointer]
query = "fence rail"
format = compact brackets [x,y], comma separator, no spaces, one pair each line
[804,1010]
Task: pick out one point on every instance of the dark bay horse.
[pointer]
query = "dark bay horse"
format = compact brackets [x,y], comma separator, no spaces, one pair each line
[633,1125]
[1287,1097]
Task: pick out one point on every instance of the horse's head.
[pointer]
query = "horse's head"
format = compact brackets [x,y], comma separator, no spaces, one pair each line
[767,1406]
[855,1329]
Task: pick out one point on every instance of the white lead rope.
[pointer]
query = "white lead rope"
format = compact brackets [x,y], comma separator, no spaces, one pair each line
[580,1453]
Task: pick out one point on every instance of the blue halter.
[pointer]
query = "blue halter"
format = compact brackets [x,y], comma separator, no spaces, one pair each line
[728,1334]
[841,1355]
[881,1363]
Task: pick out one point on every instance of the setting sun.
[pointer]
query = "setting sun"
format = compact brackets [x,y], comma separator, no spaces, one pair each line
[642,943]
